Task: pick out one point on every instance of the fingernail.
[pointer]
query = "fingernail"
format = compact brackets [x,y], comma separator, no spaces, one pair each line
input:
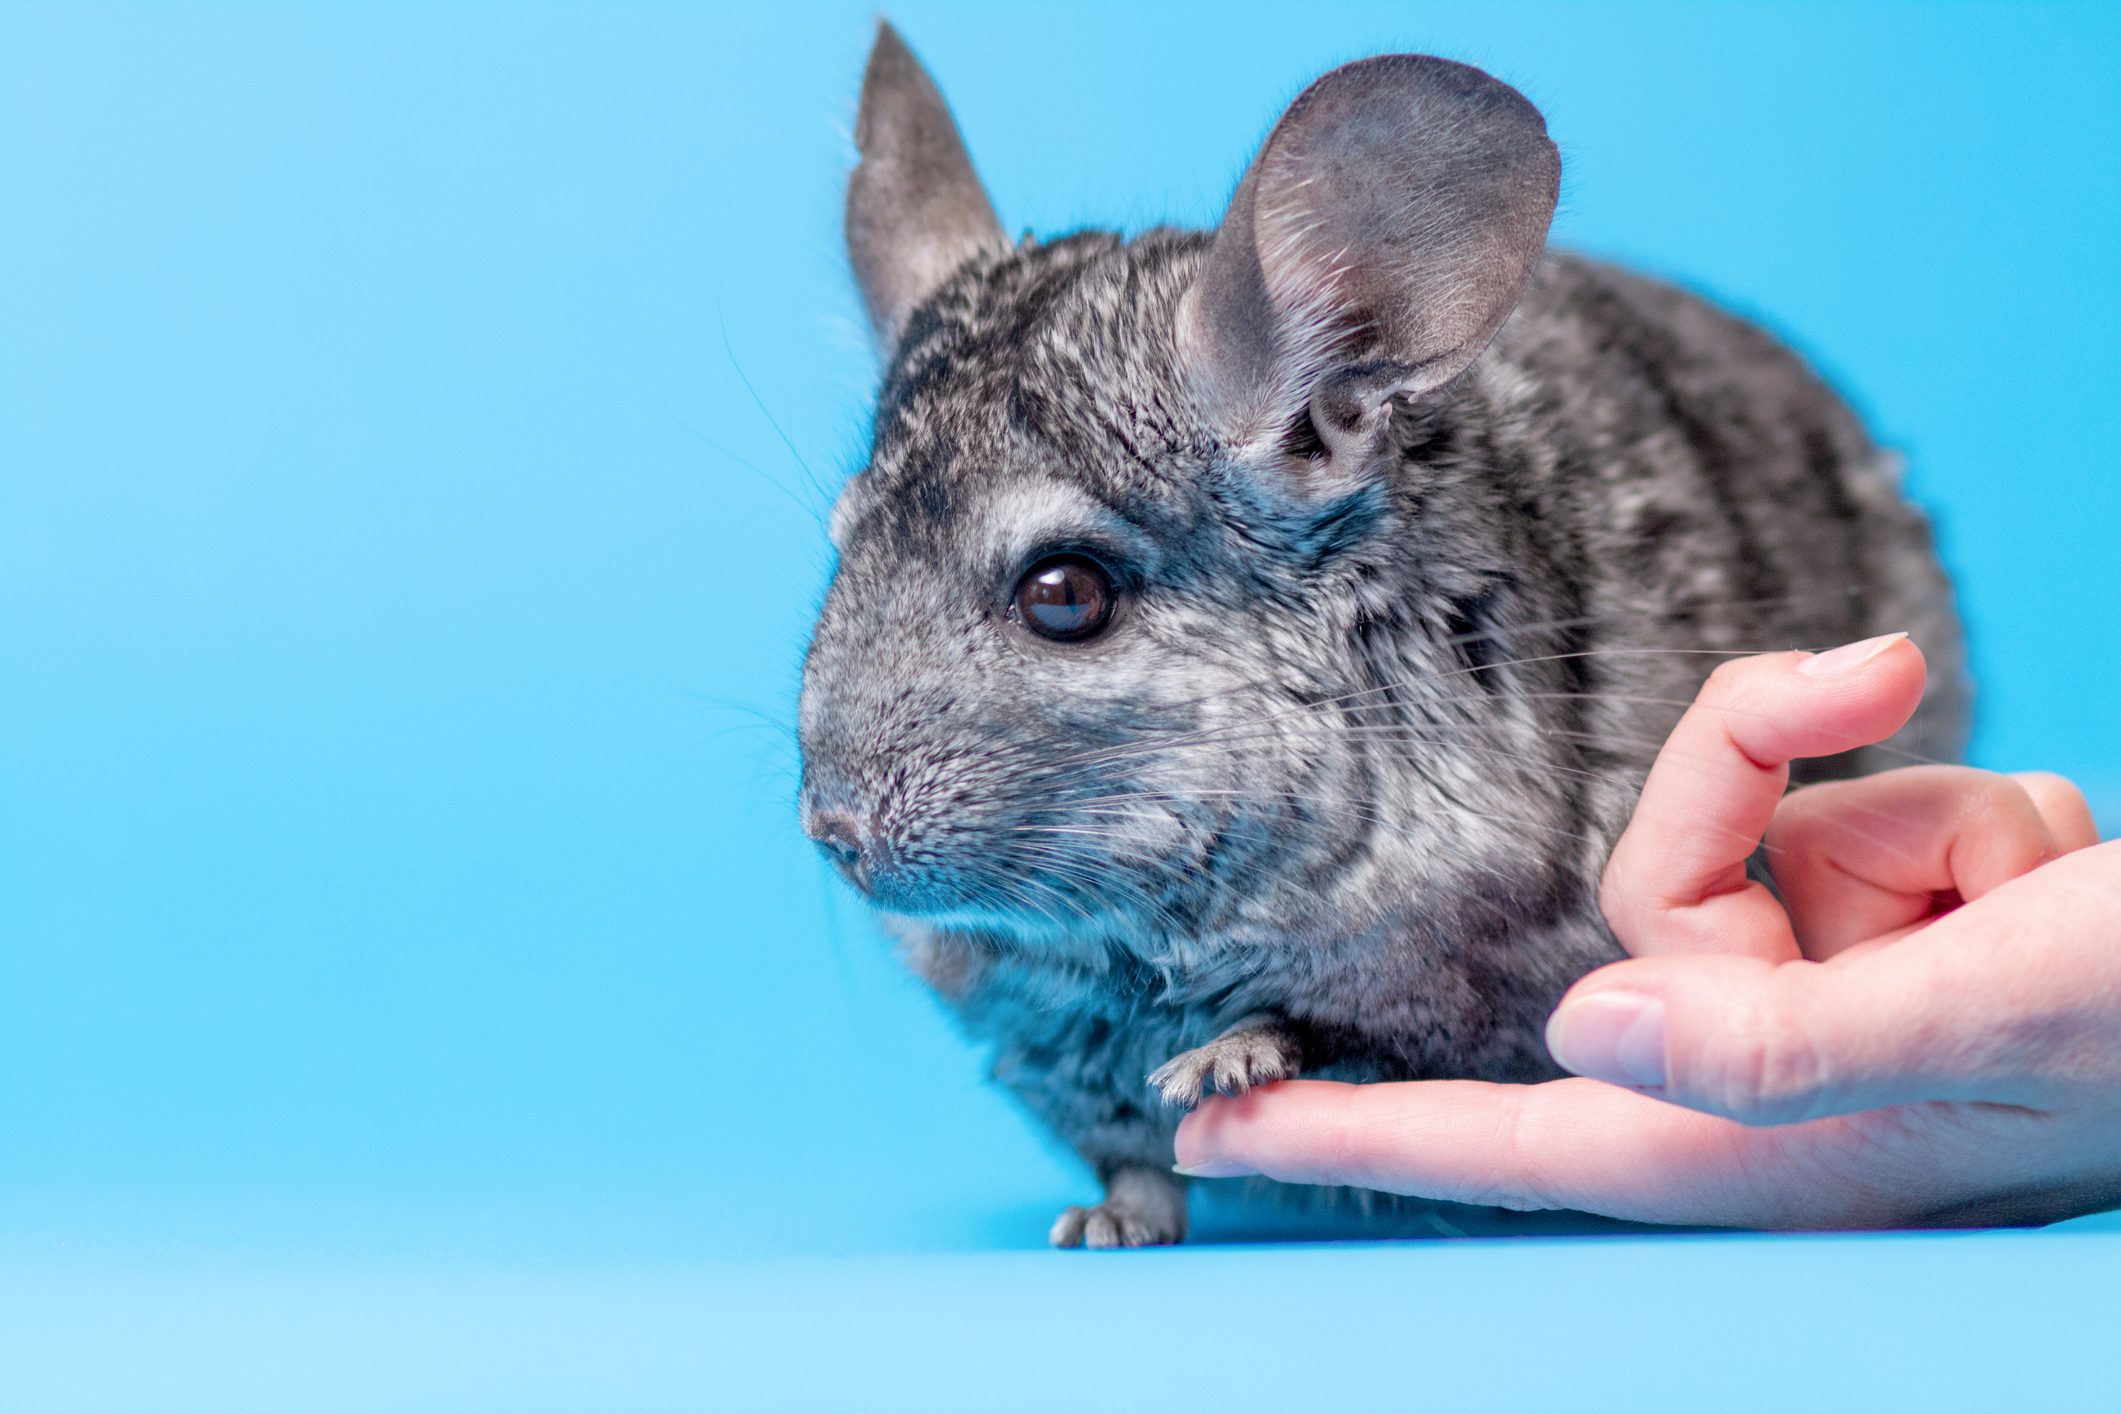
[1615,1036]
[1213,1168]
[1837,662]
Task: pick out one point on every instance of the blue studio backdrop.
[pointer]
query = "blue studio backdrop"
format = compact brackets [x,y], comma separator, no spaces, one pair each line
[416,423]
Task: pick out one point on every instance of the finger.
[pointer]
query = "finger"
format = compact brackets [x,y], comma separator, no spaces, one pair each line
[1567,1144]
[2062,806]
[1677,879]
[2008,1000]
[1857,860]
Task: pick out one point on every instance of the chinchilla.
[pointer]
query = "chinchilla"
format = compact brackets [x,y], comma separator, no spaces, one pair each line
[1245,646]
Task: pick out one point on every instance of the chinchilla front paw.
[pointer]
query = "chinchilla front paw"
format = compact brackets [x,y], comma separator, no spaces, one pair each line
[1256,1051]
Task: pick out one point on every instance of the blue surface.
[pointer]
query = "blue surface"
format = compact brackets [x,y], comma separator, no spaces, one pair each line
[414,425]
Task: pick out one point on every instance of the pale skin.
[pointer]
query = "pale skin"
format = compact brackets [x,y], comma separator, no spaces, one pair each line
[1925,1031]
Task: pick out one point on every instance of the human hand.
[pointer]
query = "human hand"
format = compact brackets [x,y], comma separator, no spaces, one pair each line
[1927,1031]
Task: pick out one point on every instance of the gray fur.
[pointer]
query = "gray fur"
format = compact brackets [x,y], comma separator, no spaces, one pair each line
[1378,700]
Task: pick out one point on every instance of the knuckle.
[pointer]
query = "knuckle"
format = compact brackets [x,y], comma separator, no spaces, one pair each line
[1763,1069]
[2000,812]
[1992,800]
[1727,685]
[1727,680]
[1989,801]
[1798,831]
[2050,789]
[1616,891]
[1825,800]
[1513,1177]
[1336,1151]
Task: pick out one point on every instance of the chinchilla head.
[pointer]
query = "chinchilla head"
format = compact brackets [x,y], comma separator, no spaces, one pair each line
[1158,537]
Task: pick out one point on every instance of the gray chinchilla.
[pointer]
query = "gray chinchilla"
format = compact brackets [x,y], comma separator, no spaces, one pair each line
[1246,646]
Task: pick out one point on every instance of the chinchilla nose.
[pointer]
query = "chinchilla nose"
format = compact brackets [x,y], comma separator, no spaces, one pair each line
[849,840]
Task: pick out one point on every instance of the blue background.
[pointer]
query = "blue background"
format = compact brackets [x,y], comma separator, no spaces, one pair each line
[415,424]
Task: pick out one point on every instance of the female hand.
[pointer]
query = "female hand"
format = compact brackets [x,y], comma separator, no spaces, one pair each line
[1926,1031]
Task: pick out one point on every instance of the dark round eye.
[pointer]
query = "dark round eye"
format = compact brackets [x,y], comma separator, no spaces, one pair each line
[1064,597]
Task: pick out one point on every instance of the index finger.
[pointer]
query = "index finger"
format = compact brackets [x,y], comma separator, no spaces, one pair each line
[1677,879]
[1576,1143]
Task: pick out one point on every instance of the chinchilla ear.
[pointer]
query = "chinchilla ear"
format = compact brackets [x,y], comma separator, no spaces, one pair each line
[915,208]
[1379,239]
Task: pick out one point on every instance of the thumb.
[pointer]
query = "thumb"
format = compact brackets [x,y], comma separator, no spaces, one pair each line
[1769,1043]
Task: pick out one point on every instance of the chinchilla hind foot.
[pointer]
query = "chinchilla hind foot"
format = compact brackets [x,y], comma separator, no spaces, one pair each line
[1142,1208]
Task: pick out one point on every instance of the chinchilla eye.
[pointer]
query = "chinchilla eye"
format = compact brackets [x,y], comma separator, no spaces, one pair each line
[1067,598]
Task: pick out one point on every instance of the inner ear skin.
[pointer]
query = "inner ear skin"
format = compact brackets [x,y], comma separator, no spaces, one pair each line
[1380,238]
[1351,409]
[1345,425]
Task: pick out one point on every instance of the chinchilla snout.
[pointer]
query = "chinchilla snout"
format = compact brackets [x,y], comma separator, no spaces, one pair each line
[904,786]
[850,839]
[859,839]
[857,820]
[963,764]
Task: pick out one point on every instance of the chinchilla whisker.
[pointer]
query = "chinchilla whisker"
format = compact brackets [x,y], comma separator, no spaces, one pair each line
[1065,901]
[1403,736]
[1060,830]
[1129,858]
[1032,899]
[1211,734]
[1400,685]
[1413,734]
[1775,601]
[737,365]
[1090,872]
[779,721]
[1452,735]
[1231,735]
[1019,893]
[777,742]
[1310,799]
[1097,879]
[817,511]
[1580,621]
[1043,902]
[1451,847]
[1483,635]
[1913,758]
[1443,843]
[1330,804]
[1080,872]
[1101,872]
[1387,736]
